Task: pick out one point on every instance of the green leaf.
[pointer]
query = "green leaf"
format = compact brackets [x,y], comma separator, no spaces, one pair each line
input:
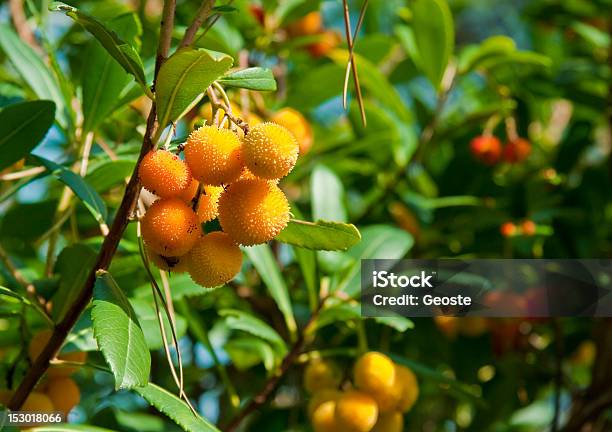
[263,261]
[22,127]
[104,79]
[239,320]
[399,323]
[377,242]
[473,56]
[183,78]
[147,318]
[34,72]
[434,38]
[320,235]
[255,78]
[92,200]
[248,352]
[125,54]
[72,277]
[175,409]
[119,335]
[327,195]
[109,173]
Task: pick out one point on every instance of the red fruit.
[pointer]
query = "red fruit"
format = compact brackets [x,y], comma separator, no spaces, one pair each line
[508,229]
[528,227]
[258,13]
[486,149]
[517,150]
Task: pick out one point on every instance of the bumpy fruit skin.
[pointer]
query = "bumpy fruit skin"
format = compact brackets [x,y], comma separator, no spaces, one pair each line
[213,155]
[410,388]
[321,374]
[214,260]
[375,374]
[517,150]
[64,394]
[208,205]
[253,211]
[320,397]
[170,227]
[324,417]
[270,151]
[297,124]
[164,174]
[486,149]
[169,264]
[356,412]
[389,422]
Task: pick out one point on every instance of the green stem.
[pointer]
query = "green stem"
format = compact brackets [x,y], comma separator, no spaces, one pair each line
[199,330]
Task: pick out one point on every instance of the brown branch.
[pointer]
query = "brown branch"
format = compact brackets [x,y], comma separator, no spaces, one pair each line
[201,15]
[272,383]
[21,24]
[111,241]
[592,404]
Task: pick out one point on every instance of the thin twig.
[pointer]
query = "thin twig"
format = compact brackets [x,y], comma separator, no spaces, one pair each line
[200,332]
[351,60]
[22,174]
[201,16]
[38,302]
[272,383]
[558,331]
[110,244]
[21,24]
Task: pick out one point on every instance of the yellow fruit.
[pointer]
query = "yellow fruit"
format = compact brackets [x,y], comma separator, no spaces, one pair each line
[208,204]
[38,342]
[270,151]
[390,422]
[309,24]
[324,417]
[356,412]
[448,325]
[320,397]
[473,326]
[170,227]
[38,402]
[321,374]
[328,40]
[213,155]
[169,264]
[410,388]
[375,375]
[189,193]
[297,124]
[214,260]
[164,174]
[206,113]
[64,394]
[253,211]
